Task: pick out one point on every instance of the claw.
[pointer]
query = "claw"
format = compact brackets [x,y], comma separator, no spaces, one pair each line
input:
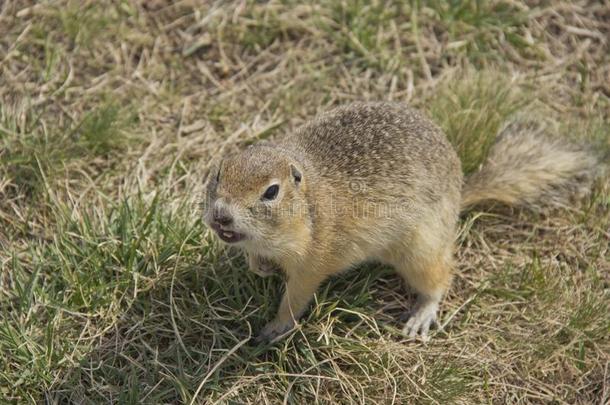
[421,320]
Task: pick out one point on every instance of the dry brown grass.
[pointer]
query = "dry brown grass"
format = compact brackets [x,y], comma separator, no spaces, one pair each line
[111,290]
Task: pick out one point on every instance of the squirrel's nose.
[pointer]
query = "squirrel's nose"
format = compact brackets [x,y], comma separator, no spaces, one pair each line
[222,218]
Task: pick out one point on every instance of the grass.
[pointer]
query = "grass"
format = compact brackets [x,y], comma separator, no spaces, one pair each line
[472,109]
[34,154]
[113,291]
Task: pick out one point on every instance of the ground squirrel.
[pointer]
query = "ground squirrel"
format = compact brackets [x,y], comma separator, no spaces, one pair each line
[369,182]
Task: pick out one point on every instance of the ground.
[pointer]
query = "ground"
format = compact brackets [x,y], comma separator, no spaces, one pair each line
[113,291]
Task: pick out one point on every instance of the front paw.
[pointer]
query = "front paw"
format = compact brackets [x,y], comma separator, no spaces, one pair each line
[274,330]
[262,267]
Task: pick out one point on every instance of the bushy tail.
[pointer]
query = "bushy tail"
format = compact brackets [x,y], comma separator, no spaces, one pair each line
[526,167]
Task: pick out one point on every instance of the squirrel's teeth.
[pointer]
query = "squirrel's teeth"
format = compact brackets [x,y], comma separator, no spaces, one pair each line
[227,234]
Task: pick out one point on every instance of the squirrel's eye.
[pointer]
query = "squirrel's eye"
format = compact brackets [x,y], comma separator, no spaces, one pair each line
[271,192]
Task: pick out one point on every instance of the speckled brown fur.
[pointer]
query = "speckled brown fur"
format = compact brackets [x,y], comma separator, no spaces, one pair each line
[368,181]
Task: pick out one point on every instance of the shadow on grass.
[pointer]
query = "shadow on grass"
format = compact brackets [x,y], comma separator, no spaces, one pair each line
[190,333]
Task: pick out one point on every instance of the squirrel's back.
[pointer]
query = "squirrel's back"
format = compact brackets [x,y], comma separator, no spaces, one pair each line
[377,145]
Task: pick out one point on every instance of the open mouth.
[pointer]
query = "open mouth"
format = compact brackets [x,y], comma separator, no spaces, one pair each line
[228,236]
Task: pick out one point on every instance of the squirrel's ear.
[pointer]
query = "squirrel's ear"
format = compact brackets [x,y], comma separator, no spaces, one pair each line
[213,174]
[296,174]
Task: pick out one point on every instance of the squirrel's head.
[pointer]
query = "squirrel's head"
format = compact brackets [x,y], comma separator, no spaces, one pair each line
[256,200]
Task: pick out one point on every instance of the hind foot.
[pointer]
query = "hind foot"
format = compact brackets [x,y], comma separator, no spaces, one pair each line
[422,318]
